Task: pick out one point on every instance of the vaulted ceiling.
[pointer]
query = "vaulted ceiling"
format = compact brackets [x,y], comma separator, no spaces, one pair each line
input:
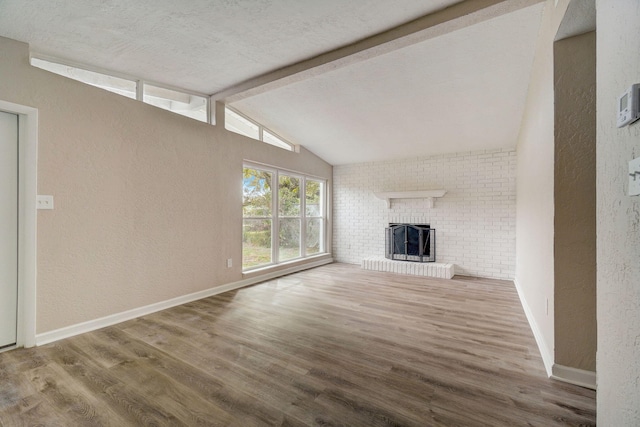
[364,80]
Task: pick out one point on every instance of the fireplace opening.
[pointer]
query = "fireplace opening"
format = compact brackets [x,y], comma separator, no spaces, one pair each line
[410,242]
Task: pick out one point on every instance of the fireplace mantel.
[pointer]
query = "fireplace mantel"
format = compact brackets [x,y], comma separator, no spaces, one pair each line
[420,194]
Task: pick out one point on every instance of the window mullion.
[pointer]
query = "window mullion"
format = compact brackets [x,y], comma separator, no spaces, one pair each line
[303,214]
[275,223]
[139,89]
[323,218]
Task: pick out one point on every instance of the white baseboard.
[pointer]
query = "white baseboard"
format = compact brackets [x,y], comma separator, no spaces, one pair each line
[92,325]
[545,352]
[566,374]
[574,376]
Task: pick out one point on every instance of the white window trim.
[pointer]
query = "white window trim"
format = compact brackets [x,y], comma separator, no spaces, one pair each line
[140,83]
[275,216]
[139,96]
[293,147]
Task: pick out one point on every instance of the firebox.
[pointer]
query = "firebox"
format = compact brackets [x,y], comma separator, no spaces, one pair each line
[410,242]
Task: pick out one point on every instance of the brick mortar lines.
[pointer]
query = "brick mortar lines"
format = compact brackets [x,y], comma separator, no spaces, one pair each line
[475,220]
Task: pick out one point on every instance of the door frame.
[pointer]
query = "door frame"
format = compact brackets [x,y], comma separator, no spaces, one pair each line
[27,219]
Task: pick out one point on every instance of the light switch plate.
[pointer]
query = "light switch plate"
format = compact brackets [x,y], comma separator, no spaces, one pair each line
[44,202]
[634,177]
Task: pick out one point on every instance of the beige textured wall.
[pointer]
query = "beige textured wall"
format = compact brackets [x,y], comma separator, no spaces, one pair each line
[618,218]
[575,202]
[534,201]
[147,203]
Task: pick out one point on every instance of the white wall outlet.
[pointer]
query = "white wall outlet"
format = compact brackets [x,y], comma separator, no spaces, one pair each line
[634,177]
[229,263]
[44,202]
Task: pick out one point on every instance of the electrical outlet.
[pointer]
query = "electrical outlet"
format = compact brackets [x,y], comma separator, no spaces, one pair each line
[44,202]
[229,263]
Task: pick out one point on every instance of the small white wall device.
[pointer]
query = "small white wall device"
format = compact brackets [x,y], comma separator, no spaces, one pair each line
[629,106]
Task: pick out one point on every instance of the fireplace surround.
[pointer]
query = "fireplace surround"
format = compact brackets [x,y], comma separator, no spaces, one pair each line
[410,242]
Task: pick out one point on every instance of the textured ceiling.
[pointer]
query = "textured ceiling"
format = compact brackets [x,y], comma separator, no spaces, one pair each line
[200,45]
[462,89]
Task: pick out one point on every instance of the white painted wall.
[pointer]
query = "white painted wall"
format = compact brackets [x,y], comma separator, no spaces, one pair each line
[618,218]
[148,203]
[474,221]
[535,172]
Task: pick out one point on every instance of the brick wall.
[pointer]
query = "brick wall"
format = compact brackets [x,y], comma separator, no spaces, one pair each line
[474,222]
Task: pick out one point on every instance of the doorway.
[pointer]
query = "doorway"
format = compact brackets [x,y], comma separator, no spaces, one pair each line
[8,229]
[18,189]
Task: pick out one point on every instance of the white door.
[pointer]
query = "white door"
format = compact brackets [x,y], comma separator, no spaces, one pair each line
[8,228]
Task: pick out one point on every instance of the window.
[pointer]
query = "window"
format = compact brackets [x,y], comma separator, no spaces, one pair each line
[283,223]
[238,123]
[314,216]
[117,85]
[289,217]
[257,218]
[270,138]
[178,102]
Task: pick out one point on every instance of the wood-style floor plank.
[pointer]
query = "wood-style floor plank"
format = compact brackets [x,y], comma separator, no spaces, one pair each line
[331,346]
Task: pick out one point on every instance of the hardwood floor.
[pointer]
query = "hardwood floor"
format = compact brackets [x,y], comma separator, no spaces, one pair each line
[332,346]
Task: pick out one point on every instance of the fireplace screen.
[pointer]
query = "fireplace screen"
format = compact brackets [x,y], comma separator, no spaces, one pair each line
[410,242]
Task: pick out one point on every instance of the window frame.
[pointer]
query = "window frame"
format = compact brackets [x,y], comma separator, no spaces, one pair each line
[230,113]
[261,131]
[276,216]
[165,98]
[140,94]
[139,82]
[322,217]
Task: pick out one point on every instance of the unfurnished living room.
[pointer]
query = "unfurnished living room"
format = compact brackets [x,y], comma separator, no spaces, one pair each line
[320,213]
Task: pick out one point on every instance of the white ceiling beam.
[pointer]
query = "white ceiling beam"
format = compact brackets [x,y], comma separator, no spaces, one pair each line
[448,20]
